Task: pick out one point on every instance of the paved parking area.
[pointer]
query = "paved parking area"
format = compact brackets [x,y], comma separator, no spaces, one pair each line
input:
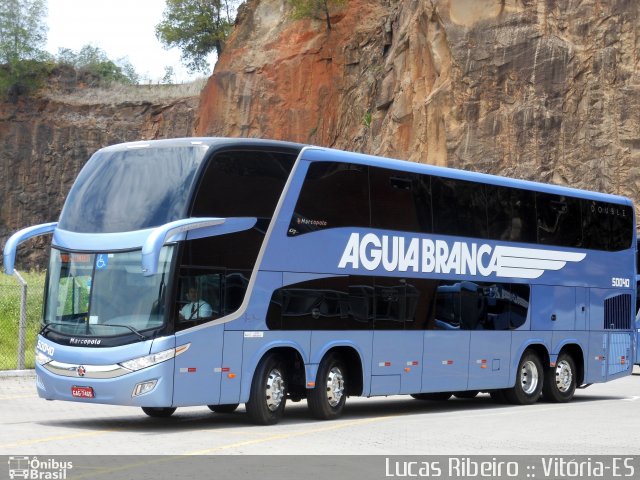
[602,419]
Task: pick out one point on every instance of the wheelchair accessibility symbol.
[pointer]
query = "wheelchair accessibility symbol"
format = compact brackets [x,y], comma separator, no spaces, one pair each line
[102,261]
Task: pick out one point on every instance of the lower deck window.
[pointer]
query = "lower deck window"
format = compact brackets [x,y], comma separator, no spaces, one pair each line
[383,303]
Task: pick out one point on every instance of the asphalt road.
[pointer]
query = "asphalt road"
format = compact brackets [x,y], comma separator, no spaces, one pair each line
[602,419]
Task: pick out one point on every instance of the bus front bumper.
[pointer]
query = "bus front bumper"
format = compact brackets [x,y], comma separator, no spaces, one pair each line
[148,387]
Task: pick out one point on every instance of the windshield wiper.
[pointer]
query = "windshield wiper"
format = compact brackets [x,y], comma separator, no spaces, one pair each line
[44,329]
[125,326]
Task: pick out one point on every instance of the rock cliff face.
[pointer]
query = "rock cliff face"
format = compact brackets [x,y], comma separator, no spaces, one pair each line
[540,89]
[45,142]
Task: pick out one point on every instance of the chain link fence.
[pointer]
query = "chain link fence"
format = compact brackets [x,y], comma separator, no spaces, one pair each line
[17,345]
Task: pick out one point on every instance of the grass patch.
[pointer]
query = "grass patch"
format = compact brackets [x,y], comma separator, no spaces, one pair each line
[10,295]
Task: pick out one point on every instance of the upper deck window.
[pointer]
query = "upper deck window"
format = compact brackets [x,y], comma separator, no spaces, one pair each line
[333,195]
[131,189]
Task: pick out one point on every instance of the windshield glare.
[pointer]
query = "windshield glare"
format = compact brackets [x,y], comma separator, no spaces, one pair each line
[104,294]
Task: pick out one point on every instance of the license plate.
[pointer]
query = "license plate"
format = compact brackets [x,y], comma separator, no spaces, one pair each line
[82,392]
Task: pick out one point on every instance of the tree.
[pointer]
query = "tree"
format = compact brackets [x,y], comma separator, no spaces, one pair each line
[197,27]
[315,9]
[169,74]
[94,60]
[23,35]
[23,32]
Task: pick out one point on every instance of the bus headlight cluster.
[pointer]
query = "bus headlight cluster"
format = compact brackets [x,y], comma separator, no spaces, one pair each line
[139,363]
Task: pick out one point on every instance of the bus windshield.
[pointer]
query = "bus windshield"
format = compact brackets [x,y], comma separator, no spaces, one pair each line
[104,294]
[123,190]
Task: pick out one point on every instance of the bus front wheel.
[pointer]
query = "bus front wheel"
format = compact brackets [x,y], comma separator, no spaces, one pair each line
[560,382]
[159,412]
[326,400]
[268,391]
[529,381]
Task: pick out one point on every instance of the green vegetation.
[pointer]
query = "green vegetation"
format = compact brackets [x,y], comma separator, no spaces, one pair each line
[94,62]
[10,294]
[23,34]
[25,65]
[197,27]
[315,9]
[366,120]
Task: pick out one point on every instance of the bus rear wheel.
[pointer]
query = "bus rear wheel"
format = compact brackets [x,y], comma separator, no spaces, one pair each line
[159,412]
[268,391]
[529,381]
[560,381]
[326,400]
[226,408]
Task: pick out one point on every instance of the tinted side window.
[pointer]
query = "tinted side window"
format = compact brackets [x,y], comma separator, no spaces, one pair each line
[400,201]
[200,296]
[481,306]
[559,220]
[242,184]
[607,226]
[391,303]
[333,195]
[354,303]
[459,208]
[337,303]
[512,214]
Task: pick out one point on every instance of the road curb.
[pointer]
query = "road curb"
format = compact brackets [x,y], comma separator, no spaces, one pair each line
[17,373]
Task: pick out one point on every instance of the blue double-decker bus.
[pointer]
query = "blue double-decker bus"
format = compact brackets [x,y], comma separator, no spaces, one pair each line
[219,272]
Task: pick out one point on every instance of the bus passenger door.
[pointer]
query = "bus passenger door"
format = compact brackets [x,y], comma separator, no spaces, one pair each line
[198,370]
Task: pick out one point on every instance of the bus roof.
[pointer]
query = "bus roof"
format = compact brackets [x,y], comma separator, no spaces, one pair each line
[315,153]
[325,154]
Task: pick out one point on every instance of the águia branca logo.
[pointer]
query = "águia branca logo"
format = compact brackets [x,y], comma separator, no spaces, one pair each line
[424,255]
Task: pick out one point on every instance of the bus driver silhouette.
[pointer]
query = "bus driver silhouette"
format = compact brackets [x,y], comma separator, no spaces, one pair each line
[195,308]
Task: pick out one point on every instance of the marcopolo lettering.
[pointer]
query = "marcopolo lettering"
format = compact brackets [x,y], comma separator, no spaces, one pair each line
[401,254]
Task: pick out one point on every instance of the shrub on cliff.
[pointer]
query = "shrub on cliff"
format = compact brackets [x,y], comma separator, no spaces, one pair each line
[23,34]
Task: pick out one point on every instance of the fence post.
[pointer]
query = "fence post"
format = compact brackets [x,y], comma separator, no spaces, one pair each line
[22,326]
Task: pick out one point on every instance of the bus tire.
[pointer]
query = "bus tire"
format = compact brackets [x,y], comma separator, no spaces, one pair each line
[466,394]
[560,381]
[434,397]
[268,391]
[529,380]
[226,408]
[159,412]
[326,400]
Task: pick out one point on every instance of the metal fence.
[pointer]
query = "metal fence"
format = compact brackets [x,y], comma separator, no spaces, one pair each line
[20,314]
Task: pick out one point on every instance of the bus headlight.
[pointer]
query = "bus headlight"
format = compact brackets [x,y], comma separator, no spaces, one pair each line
[139,363]
[41,358]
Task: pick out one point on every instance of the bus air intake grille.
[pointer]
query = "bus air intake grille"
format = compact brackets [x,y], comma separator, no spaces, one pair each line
[617,312]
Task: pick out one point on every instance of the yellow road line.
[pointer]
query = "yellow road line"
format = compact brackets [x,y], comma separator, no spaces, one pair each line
[282,436]
[286,436]
[55,438]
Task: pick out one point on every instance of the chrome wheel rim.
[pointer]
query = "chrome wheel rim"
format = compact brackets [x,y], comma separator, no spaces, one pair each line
[335,386]
[275,389]
[529,377]
[564,376]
